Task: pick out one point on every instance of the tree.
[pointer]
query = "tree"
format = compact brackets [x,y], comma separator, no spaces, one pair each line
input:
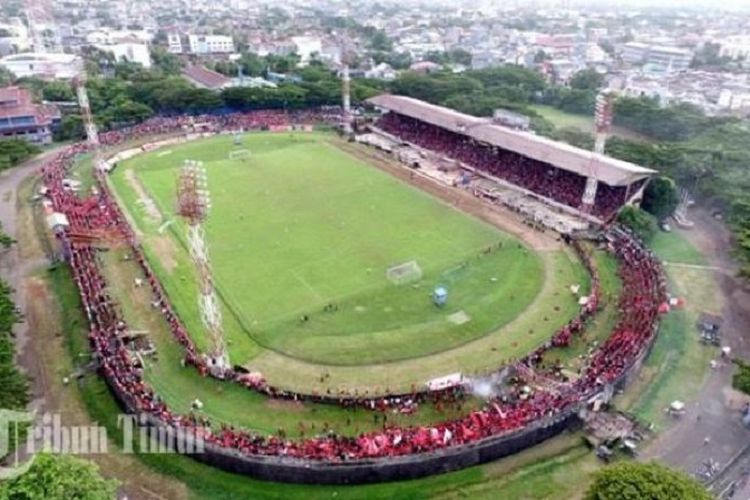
[541,56]
[15,151]
[6,77]
[460,56]
[578,101]
[741,378]
[59,476]
[641,222]
[638,481]
[709,56]
[660,198]
[70,128]
[381,42]
[128,111]
[587,79]
[168,63]
[58,90]
[252,65]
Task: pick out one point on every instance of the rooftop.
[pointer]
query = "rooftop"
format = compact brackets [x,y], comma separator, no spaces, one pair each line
[564,156]
[205,77]
[17,102]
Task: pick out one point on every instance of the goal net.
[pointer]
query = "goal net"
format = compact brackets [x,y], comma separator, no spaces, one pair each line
[239,154]
[404,273]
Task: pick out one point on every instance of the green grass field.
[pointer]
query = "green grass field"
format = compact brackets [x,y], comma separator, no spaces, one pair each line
[558,468]
[563,119]
[301,224]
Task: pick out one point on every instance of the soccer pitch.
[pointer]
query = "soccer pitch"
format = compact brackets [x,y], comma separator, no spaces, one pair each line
[301,236]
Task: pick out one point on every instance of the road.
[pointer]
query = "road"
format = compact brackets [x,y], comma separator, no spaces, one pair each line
[712,429]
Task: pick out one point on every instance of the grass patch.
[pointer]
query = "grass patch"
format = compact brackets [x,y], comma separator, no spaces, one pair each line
[673,247]
[600,326]
[676,367]
[584,123]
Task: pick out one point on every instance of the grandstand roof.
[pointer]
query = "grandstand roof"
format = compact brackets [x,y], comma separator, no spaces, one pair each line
[608,170]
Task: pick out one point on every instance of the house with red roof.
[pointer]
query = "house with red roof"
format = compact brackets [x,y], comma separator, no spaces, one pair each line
[21,118]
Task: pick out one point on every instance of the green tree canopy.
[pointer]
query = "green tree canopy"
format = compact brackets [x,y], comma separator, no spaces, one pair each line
[639,481]
[381,42]
[640,221]
[660,198]
[6,77]
[58,90]
[587,79]
[15,151]
[59,476]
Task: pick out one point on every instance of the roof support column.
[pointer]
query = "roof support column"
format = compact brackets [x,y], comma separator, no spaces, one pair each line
[589,194]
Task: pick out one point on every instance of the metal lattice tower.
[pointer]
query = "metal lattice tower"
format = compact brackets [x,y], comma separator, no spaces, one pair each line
[92,133]
[193,204]
[347,57]
[346,99]
[603,124]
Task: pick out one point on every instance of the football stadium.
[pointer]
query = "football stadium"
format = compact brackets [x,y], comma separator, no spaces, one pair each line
[428,292]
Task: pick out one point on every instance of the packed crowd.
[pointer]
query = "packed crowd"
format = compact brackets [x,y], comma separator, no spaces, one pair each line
[541,178]
[643,293]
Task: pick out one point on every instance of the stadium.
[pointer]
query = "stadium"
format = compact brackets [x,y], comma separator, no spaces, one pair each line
[432,292]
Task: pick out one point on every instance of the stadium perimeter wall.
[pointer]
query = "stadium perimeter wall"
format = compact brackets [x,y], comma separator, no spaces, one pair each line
[294,470]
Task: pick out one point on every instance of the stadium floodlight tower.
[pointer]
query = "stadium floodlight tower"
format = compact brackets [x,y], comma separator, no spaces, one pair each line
[92,133]
[348,52]
[193,204]
[603,123]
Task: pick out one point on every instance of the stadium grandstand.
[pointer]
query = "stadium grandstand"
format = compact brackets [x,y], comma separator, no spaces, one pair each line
[555,173]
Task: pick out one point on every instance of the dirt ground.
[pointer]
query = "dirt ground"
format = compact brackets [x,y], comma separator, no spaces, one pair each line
[713,431]
[39,341]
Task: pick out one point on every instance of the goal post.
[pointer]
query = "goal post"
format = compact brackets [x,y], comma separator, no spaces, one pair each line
[404,273]
[239,154]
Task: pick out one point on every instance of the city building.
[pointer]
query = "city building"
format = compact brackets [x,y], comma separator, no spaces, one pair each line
[128,49]
[735,47]
[210,44]
[174,43]
[16,34]
[634,53]
[307,47]
[21,118]
[670,58]
[204,78]
[43,65]
[664,57]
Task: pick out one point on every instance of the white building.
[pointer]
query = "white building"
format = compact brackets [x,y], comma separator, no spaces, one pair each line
[634,52]
[735,98]
[110,36]
[306,47]
[665,57]
[736,47]
[132,51]
[174,43]
[18,34]
[382,71]
[210,44]
[645,87]
[43,65]
[670,58]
